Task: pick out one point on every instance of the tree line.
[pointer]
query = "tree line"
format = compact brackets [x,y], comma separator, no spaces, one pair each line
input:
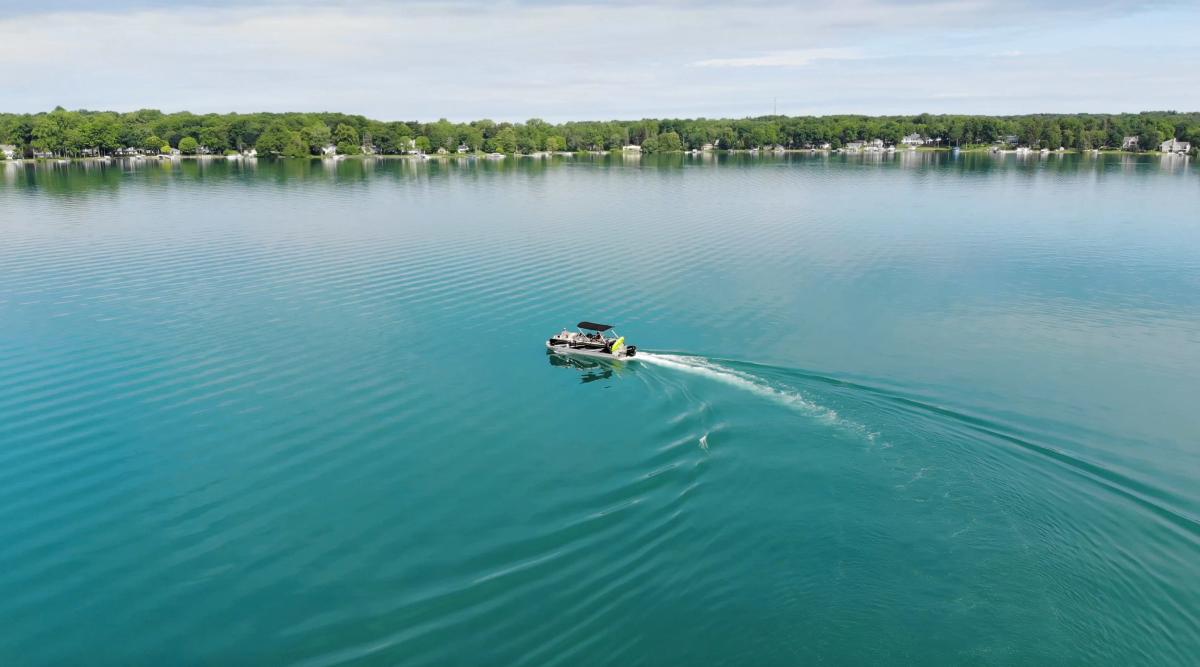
[72,133]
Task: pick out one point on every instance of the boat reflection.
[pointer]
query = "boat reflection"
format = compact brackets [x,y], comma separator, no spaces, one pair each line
[590,371]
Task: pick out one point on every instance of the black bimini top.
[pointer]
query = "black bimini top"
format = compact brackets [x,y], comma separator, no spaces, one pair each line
[594,327]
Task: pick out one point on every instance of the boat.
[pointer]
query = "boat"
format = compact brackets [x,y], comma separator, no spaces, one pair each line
[590,341]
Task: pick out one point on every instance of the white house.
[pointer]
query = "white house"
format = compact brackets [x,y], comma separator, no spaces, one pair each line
[9,150]
[1129,144]
[875,145]
[329,150]
[707,147]
[914,139]
[463,148]
[631,148]
[1175,146]
[854,146]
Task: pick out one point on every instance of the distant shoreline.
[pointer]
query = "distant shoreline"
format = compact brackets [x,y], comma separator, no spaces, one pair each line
[71,134]
[974,150]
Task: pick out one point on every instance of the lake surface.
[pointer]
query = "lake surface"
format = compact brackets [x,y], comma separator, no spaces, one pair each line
[910,409]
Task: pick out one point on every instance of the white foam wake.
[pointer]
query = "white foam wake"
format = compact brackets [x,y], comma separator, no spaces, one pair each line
[752,383]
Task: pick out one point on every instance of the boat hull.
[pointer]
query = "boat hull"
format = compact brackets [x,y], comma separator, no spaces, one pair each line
[591,354]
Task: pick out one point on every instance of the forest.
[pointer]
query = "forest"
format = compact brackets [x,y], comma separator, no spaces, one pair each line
[64,133]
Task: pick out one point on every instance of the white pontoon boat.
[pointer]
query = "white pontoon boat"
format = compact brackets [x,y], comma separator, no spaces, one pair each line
[590,341]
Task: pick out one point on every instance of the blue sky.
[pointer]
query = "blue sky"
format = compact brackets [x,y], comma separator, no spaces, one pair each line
[564,60]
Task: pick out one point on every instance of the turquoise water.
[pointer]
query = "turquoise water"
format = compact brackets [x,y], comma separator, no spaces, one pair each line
[915,409]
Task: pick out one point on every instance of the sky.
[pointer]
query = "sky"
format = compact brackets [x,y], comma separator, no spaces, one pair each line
[573,60]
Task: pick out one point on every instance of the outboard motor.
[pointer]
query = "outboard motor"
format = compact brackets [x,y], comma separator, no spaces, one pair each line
[631,350]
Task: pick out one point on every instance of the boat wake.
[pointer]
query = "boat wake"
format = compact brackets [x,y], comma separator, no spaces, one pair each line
[1047,447]
[787,396]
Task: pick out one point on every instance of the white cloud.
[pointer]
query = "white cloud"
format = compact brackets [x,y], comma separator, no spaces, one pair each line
[513,60]
[792,58]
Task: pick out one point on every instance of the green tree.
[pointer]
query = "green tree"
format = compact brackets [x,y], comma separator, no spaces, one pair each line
[1150,139]
[50,131]
[317,136]
[347,140]
[472,137]
[152,143]
[101,133]
[669,142]
[215,139]
[274,140]
[505,141]
[296,146]
[188,145]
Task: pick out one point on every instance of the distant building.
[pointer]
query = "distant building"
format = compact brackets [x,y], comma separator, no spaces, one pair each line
[875,145]
[1175,146]
[442,151]
[9,150]
[329,150]
[1010,139]
[914,139]
[854,145]
[1129,144]
[707,147]
[463,148]
[825,145]
[631,148]
[253,152]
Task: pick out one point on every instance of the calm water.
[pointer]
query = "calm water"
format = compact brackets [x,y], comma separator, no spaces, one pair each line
[910,410]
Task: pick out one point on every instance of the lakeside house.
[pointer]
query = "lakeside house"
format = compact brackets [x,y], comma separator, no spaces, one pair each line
[252,152]
[463,148]
[707,147]
[329,150]
[8,150]
[914,139]
[854,146]
[1129,144]
[442,150]
[1175,146]
[631,148]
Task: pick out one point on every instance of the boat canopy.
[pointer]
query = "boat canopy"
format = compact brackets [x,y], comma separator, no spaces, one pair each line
[594,327]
